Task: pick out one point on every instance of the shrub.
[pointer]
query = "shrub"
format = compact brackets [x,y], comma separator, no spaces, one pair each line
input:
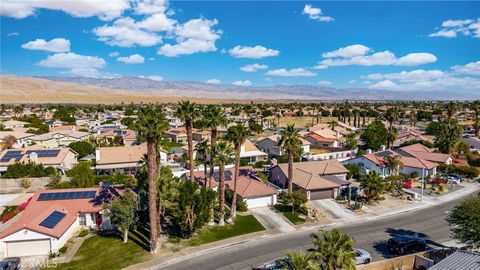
[241,205]
[21,170]
[83,148]
[26,183]
[340,198]
[353,171]
[260,164]
[83,233]
[407,183]
[467,171]
[63,249]
[414,175]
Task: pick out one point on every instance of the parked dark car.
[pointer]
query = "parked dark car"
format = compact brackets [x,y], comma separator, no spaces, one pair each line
[10,263]
[404,244]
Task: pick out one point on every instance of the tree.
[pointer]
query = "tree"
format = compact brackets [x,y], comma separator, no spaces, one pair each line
[187,112]
[391,115]
[332,124]
[290,141]
[372,186]
[222,156]
[9,141]
[121,212]
[394,164]
[375,135]
[335,250]
[475,106]
[213,118]
[465,221]
[296,200]
[167,190]
[151,125]
[83,148]
[237,135]
[301,261]
[82,175]
[448,135]
[203,149]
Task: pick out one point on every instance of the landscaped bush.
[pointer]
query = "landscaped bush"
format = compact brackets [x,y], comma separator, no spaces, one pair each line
[353,171]
[26,183]
[63,249]
[467,171]
[22,170]
[260,164]
[241,205]
[83,233]
[340,198]
[10,211]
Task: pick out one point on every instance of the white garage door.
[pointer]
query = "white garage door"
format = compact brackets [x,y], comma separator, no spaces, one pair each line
[259,202]
[28,248]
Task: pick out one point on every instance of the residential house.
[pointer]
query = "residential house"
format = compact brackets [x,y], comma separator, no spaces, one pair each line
[20,136]
[62,159]
[376,162]
[122,159]
[51,218]
[317,140]
[461,259]
[250,153]
[317,179]
[270,145]
[129,137]
[200,135]
[250,188]
[177,135]
[58,138]
[12,124]
[422,152]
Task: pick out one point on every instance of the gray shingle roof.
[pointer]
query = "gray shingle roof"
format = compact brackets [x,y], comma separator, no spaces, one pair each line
[460,260]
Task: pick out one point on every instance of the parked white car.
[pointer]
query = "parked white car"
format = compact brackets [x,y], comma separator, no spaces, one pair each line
[362,256]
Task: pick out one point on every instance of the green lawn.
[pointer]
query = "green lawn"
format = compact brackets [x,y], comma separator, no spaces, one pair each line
[287,212]
[242,225]
[101,252]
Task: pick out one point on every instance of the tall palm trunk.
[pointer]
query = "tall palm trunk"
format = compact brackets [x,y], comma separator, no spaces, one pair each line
[221,196]
[152,192]
[213,144]
[290,171]
[159,206]
[233,212]
[390,131]
[190,149]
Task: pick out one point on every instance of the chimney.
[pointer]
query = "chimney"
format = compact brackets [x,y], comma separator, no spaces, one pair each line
[33,157]
[369,151]
[273,162]
[384,147]
[97,155]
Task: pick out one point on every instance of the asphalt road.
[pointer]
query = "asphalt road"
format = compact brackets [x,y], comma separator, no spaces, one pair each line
[371,235]
[473,142]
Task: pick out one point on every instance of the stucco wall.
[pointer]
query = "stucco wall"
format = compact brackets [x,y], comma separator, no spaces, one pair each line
[15,185]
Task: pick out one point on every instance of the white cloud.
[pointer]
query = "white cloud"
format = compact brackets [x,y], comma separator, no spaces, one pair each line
[12,34]
[418,80]
[56,45]
[415,59]
[324,82]
[242,83]
[150,6]
[124,32]
[472,68]
[352,81]
[105,10]
[296,72]
[256,52]
[155,78]
[132,59]
[156,23]
[409,76]
[76,64]
[196,35]
[359,55]
[213,81]
[451,28]
[72,60]
[253,67]
[348,52]
[114,54]
[316,14]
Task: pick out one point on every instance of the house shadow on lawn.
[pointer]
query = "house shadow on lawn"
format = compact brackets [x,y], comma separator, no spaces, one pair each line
[382,248]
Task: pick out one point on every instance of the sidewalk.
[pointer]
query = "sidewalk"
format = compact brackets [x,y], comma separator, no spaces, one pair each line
[271,219]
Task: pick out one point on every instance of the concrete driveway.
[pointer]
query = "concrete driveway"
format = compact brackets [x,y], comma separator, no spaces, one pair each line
[335,210]
[271,219]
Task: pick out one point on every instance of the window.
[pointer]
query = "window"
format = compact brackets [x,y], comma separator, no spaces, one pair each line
[83,220]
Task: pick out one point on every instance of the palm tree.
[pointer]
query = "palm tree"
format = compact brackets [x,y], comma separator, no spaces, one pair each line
[223,155]
[9,141]
[290,141]
[150,127]
[237,135]
[301,261]
[332,124]
[213,118]
[394,164]
[187,112]
[203,149]
[391,115]
[334,249]
[372,185]
[476,108]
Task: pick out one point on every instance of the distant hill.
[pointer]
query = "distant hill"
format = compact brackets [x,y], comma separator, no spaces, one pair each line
[17,89]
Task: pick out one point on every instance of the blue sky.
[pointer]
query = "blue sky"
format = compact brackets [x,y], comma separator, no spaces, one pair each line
[379,45]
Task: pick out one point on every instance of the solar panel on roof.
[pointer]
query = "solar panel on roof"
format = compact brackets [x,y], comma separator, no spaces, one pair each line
[53,219]
[49,196]
[383,154]
[63,196]
[228,176]
[11,154]
[42,196]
